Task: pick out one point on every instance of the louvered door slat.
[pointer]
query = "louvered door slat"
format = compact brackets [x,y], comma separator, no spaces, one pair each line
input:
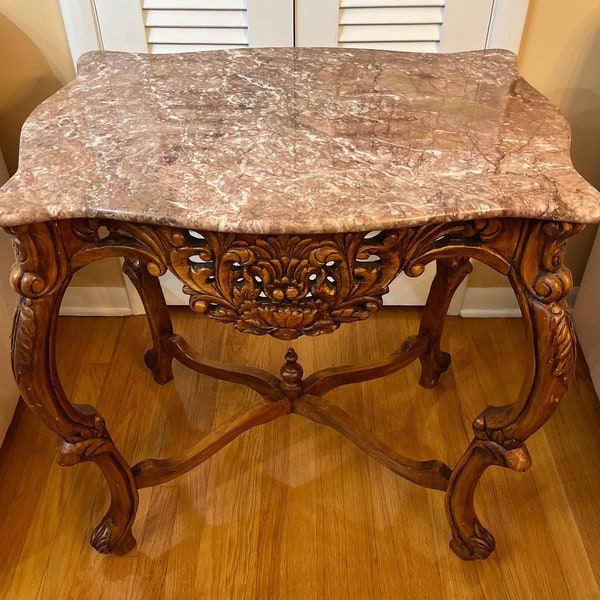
[392,15]
[406,25]
[197,35]
[390,33]
[423,46]
[193,25]
[196,18]
[363,3]
[195,4]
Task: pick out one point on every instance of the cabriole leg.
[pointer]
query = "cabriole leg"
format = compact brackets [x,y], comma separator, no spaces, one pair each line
[449,275]
[157,313]
[541,283]
[40,276]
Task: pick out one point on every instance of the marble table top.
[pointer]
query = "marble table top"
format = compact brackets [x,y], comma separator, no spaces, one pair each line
[297,140]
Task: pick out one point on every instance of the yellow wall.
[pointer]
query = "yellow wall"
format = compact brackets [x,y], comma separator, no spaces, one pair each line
[560,55]
[35,63]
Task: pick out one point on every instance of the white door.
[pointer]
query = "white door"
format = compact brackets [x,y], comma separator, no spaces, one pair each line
[411,25]
[159,26]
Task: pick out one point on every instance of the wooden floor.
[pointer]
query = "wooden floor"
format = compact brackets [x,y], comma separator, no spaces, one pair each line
[291,510]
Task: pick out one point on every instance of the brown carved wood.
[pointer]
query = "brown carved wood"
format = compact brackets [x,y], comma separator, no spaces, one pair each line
[285,286]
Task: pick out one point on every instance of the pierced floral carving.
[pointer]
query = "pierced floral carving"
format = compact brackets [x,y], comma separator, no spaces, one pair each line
[285,285]
[290,285]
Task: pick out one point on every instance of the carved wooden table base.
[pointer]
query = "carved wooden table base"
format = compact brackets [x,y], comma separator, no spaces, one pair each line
[285,286]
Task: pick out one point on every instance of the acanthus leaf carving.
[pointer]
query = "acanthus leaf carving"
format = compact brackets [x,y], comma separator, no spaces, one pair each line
[286,285]
[562,342]
[24,331]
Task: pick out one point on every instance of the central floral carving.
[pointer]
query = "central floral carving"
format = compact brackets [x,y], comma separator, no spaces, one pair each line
[286,285]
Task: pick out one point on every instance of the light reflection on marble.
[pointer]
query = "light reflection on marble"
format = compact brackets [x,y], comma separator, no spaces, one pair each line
[297,140]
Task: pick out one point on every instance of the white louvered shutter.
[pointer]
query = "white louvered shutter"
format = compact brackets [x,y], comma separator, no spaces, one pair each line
[411,25]
[408,25]
[192,25]
[160,26]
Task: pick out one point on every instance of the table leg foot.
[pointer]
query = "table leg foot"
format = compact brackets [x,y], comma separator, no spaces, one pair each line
[113,534]
[160,364]
[449,275]
[477,547]
[432,366]
[103,536]
[470,539]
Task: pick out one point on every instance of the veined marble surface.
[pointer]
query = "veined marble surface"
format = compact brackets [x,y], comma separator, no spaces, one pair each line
[297,140]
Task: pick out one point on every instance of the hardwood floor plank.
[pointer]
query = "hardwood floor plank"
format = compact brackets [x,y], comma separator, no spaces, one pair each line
[292,510]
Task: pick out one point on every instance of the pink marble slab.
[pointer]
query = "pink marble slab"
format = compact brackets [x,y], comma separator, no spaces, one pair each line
[297,140]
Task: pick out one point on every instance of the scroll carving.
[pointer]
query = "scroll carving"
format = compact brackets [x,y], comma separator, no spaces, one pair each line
[551,280]
[550,283]
[477,238]
[38,267]
[86,230]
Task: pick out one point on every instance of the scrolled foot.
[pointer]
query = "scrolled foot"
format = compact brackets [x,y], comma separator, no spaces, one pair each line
[113,534]
[478,547]
[107,538]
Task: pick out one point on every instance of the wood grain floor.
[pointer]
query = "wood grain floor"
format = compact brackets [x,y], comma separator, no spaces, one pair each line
[292,510]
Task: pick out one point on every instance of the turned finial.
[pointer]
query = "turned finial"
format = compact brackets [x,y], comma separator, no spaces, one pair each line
[291,375]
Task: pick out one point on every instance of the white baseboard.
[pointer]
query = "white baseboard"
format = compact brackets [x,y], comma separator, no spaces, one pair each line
[496,302]
[114,301]
[487,303]
[96,302]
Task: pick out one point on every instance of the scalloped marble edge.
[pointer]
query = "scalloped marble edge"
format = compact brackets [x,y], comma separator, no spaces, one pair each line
[297,141]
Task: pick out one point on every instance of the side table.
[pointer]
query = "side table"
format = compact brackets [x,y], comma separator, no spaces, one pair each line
[286,188]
